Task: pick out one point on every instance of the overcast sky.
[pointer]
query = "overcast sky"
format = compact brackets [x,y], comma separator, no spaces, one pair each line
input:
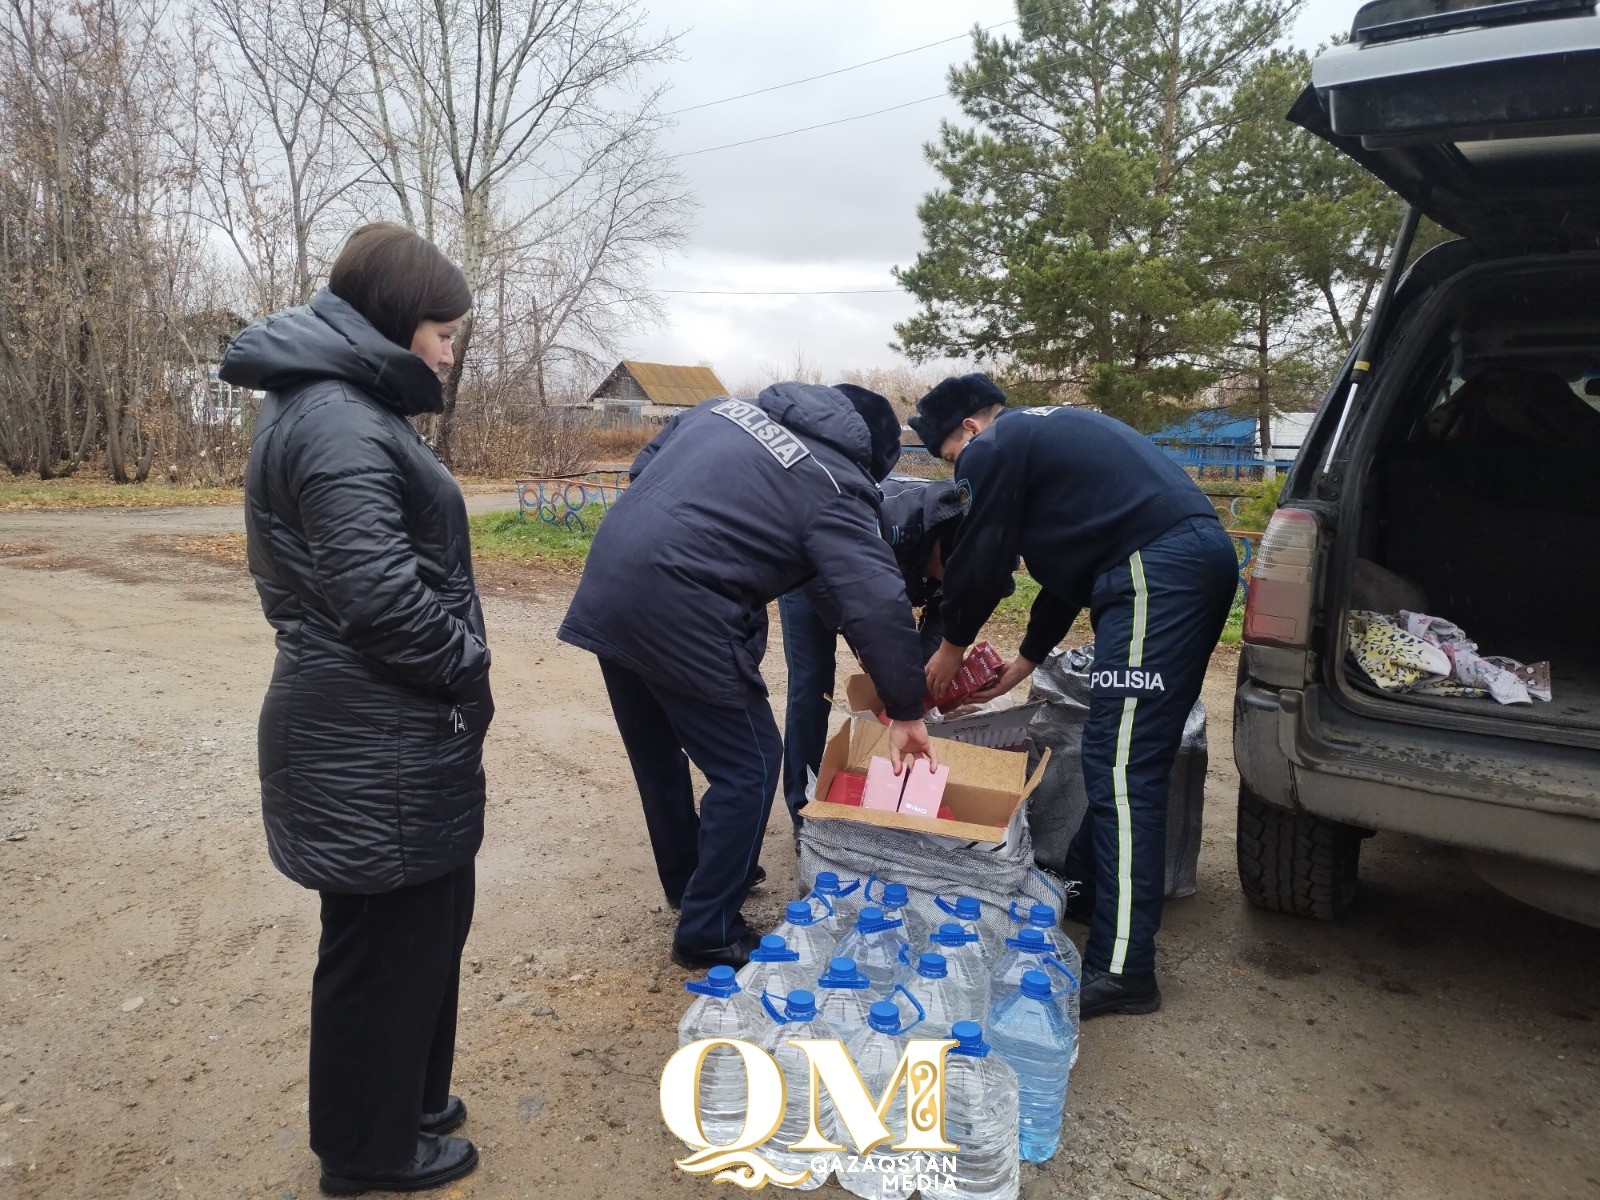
[833,208]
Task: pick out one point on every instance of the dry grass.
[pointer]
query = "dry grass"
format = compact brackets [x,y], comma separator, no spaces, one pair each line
[33,495]
[622,442]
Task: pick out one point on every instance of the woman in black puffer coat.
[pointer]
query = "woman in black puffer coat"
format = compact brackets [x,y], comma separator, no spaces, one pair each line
[371,736]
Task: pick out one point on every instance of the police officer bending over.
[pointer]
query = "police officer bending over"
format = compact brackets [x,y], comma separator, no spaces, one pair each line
[734,503]
[1103,520]
[918,514]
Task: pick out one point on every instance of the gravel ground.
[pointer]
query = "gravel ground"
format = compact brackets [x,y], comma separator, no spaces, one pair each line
[1442,1042]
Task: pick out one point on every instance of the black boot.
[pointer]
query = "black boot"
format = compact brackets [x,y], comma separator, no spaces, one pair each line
[1104,993]
[437,1160]
[452,1116]
[734,956]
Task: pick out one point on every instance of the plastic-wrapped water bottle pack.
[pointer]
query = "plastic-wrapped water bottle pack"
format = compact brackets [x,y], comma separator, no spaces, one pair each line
[869,974]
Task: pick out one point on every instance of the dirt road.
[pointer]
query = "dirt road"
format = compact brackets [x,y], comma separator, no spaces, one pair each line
[1441,1043]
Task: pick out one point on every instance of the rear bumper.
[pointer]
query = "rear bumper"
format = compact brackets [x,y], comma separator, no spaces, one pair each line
[1532,801]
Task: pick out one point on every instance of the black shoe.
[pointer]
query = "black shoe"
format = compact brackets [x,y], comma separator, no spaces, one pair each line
[734,956]
[437,1160]
[1104,993]
[452,1116]
[756,880]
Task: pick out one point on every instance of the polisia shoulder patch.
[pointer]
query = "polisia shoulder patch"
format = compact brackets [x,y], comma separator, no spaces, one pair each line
[779,442]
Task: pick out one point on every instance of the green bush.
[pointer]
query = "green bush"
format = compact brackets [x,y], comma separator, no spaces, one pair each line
[1260,502]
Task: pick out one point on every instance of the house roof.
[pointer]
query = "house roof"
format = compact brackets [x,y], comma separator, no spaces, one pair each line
[1219,427]
[1213,427]
[663,383]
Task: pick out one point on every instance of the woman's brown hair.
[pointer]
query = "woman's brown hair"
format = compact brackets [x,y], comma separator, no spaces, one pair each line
[397,279]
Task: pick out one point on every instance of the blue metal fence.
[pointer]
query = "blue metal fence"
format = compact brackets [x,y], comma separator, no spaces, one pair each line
[562,500]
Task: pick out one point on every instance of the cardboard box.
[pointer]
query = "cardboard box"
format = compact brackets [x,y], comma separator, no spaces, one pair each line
[985,793]
[1006,729]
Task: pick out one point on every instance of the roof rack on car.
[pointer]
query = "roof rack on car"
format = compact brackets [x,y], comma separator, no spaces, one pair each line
[1387,20]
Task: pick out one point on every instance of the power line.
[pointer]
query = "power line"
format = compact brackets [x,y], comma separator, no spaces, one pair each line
[823,292]
[871,62]
[808,128]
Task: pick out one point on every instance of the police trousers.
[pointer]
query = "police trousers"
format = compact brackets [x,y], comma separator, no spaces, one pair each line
[705,859]
[1156,618]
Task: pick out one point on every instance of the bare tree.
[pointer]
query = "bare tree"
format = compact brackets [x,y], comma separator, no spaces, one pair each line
[283,179]
[514,133]
[91,196]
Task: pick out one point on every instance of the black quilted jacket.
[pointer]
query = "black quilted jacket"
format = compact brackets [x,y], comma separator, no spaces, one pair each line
[371,736]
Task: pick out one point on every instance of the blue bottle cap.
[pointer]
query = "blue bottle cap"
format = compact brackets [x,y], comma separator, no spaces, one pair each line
[827,883]
[802,1005]
[896,895]
[871,915]
[798,912]
[1043,916]
[1036,985]
[842,973]
[967,908]
[970,1035]
[774,949]
[932,966]
[951,934]
[719,982]
[885,1017]
[1030,940]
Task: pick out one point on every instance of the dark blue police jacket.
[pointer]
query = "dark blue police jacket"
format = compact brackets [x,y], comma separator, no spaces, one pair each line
[732,504]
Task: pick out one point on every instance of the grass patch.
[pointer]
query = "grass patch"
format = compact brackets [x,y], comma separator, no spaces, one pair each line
[506,539]
[32,495]
[1233,631]
[1012,612]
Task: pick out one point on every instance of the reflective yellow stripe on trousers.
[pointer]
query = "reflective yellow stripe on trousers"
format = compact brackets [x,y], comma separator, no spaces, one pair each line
[1119,773]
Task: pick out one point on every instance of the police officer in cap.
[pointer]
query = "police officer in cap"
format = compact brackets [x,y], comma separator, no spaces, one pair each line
[734,503]
[918,516]
[1103,521]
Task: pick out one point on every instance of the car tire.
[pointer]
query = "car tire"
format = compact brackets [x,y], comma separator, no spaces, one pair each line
[1292,862]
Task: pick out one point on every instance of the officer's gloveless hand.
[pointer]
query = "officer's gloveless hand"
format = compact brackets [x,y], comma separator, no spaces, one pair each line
[942,667]
[909,741]
[1013,673]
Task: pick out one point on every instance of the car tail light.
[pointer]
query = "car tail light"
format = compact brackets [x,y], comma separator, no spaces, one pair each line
[1277,609]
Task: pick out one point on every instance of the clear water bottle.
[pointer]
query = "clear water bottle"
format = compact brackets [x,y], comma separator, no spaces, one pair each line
[943,1003]
[1030,1030]
[1029,950]
[880,948]
[808,930]
[966,912]
[843,997]
[773,969]
[843,896]
[876,1052]
[896,905]
[980,1116]
[1043,918]
[964,960]
[722,1009]
[799,1019]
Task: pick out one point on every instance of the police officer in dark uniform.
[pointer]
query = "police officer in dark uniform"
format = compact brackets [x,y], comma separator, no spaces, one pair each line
[917,515]
[1104,521]
[734,503]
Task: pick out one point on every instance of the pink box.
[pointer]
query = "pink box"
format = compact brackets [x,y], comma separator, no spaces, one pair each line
[924,790]
[883,786]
